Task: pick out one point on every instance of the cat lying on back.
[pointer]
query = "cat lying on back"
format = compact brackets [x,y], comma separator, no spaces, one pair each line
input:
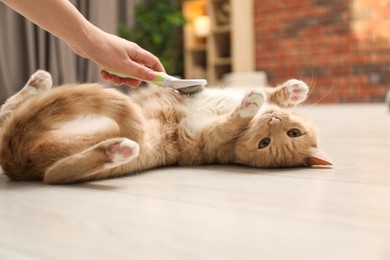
[42,138]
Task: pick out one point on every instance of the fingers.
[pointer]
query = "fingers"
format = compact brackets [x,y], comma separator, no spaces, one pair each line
[133,83]
[118,81]
[141,64]
[155,64]
[144,57]
[142,72]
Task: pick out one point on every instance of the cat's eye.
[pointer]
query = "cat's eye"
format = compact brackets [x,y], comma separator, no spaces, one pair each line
[294,133]
[264,143]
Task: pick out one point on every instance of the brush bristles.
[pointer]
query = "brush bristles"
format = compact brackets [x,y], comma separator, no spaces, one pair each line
[190,90]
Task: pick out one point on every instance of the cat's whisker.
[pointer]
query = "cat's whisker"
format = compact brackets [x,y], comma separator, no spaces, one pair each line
[324,96]
[312,86]
[312,81]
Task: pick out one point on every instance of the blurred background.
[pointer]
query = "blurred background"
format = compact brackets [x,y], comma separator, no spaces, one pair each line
[339,47]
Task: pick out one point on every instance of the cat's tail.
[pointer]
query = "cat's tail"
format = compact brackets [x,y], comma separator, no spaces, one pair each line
[31,123]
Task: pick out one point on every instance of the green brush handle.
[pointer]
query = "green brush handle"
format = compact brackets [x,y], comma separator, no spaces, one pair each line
[160,80]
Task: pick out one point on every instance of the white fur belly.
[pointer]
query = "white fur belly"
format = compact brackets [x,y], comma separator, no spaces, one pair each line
[87,125]
[209,104]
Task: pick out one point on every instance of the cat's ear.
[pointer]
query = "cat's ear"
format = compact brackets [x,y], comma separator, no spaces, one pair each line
[317,159]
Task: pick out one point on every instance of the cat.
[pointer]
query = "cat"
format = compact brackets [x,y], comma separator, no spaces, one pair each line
[45,135]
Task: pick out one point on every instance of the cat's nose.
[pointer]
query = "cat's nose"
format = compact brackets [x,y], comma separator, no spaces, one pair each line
[274,120]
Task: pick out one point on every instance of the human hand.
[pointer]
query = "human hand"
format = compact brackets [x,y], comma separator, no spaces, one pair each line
[87,40]
[116,53]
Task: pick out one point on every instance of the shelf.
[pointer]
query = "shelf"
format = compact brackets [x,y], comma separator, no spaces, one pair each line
[199,48]
[222,61]
[220,12]
[229,45]
[222,29]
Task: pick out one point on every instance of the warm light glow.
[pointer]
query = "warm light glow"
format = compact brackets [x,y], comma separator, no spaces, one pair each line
[202,26]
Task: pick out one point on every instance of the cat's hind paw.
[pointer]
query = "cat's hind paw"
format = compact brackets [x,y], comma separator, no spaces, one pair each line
[294,92]
[252,103]
[121,152]
[40,81]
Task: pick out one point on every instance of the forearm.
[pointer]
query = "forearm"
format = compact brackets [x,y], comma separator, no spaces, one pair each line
[59,17]
[62,19]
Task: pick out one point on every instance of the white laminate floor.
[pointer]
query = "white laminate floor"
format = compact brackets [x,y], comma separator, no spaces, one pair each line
[220,212]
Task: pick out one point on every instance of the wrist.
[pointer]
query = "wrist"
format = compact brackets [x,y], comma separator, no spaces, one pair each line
[83,39]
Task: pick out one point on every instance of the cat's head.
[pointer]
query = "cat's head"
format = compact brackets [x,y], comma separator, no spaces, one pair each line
[279,138]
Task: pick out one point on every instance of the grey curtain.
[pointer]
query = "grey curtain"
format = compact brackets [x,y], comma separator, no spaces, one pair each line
[25,48]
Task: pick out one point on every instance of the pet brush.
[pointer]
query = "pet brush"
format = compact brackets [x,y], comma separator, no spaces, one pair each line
[184,86]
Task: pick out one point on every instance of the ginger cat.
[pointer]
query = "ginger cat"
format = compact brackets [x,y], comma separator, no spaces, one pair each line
[85,132]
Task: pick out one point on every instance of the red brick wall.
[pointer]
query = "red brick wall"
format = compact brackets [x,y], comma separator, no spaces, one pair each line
[340,47]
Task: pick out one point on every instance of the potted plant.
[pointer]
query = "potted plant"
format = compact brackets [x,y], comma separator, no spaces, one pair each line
[158,26]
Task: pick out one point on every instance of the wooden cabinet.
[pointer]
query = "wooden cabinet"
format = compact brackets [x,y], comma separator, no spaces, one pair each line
[228,46]
[195,47]
[219,40]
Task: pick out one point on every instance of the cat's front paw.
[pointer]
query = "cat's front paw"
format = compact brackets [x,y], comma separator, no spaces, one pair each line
[40,81]
[294,92]
[252,103]
[120,152]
